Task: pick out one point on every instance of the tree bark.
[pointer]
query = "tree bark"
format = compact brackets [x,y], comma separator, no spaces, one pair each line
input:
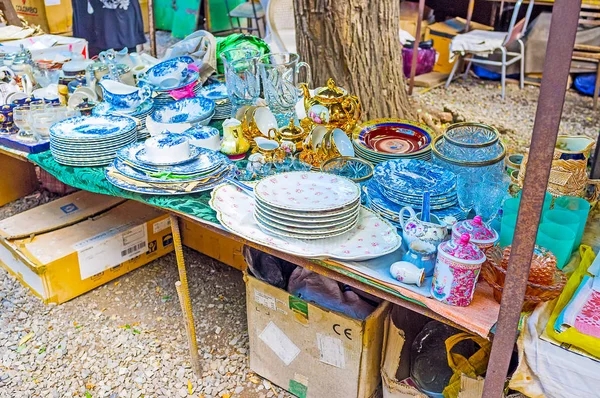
[356,42]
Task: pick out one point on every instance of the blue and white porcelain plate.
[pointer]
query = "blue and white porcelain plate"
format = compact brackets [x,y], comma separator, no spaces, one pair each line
[104,108]
[133,173]
[184,111]
[215,91]
[93,127]
[377,201]
[142,156]
[413,177]
[206,161]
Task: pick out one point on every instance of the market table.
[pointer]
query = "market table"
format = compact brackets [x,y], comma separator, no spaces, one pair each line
[18,175]
[479,317]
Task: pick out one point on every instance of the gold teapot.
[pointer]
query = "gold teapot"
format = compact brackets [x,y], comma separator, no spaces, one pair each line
[290,136]
[332,106]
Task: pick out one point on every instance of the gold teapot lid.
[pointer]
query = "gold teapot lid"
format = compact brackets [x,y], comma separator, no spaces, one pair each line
[291,130]
[331,91]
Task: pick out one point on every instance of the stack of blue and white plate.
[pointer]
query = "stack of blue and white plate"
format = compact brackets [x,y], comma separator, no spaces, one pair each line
[202,170]
[181,115]
[163,97]
[140,114]
[91,140]
[217,92]
[399,183]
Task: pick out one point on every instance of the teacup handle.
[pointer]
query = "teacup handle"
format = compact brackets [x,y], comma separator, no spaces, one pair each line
[410,211]
[308,72]
[145,93]
[274,131]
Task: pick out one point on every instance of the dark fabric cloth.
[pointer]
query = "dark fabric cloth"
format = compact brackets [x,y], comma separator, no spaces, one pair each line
[107,28]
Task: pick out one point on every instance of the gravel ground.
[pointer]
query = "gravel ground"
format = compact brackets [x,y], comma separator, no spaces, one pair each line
[479,101]
[127,338]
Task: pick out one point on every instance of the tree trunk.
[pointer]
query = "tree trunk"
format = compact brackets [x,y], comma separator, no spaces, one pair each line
[356,42]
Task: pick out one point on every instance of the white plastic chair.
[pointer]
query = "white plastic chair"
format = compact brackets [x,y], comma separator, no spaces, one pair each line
[481,42]
[281,25]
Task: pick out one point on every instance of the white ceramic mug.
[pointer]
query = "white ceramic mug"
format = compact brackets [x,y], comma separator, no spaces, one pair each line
[406,272]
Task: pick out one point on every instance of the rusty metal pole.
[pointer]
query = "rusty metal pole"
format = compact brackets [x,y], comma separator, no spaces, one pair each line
[469,15]
[559,50]
[415,54]
[152,28]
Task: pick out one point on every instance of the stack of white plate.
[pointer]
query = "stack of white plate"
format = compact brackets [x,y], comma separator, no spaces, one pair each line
[140,114]
[217,92]
[91,140]
[307,205]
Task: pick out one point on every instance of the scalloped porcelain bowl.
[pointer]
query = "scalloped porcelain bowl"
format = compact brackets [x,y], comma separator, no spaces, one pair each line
[189,110]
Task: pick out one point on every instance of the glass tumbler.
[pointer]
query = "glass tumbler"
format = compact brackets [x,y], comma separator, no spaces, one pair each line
[579,206]
[279,73]
[507,229]
[565,218]
[21,120]
[558,239]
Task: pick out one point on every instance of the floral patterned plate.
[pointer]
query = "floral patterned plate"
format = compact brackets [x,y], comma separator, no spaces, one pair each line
[371,238]
[86,128]
[312,216]
[305,222]
[413,177]
[307,191]
[312,235]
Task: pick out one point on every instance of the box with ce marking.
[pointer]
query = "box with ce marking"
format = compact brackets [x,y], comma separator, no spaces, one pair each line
[311,351]
[68,247]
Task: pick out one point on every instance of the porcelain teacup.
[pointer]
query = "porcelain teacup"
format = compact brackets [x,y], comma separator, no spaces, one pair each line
[204,137]
[123,96]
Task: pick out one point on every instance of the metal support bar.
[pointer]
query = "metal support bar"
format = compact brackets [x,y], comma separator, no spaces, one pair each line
[545,130]
[469,15]
[152,28]
[415,54]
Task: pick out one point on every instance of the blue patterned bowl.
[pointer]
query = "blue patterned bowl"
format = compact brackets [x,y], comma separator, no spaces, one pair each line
[189,110]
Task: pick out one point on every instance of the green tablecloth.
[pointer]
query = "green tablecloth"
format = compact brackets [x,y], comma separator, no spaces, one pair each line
[92,179]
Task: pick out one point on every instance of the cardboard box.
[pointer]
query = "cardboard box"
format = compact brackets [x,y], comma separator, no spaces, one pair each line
[48,47]
[442,34]
[401,327]
[54,16]
[217,246]
[411,27]
[309,350]
[68,247]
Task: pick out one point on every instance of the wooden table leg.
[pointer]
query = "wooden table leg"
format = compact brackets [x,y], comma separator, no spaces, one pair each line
[184,298]
[18,178]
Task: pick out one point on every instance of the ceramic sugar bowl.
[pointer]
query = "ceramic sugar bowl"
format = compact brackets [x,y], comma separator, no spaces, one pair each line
[480,234]
[457,268]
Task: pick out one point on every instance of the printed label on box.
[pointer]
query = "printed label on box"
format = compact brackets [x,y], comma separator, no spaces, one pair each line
[160,225]
[264,299]
[110,248]
[278,341]
[69,208]
[52,2]
[331,350]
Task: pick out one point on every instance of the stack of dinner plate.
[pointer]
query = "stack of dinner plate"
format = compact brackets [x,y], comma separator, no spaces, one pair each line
[307,205]
[91,140]
[199,170]
[139,114]
[402,183]
[381,140]
[217,92]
